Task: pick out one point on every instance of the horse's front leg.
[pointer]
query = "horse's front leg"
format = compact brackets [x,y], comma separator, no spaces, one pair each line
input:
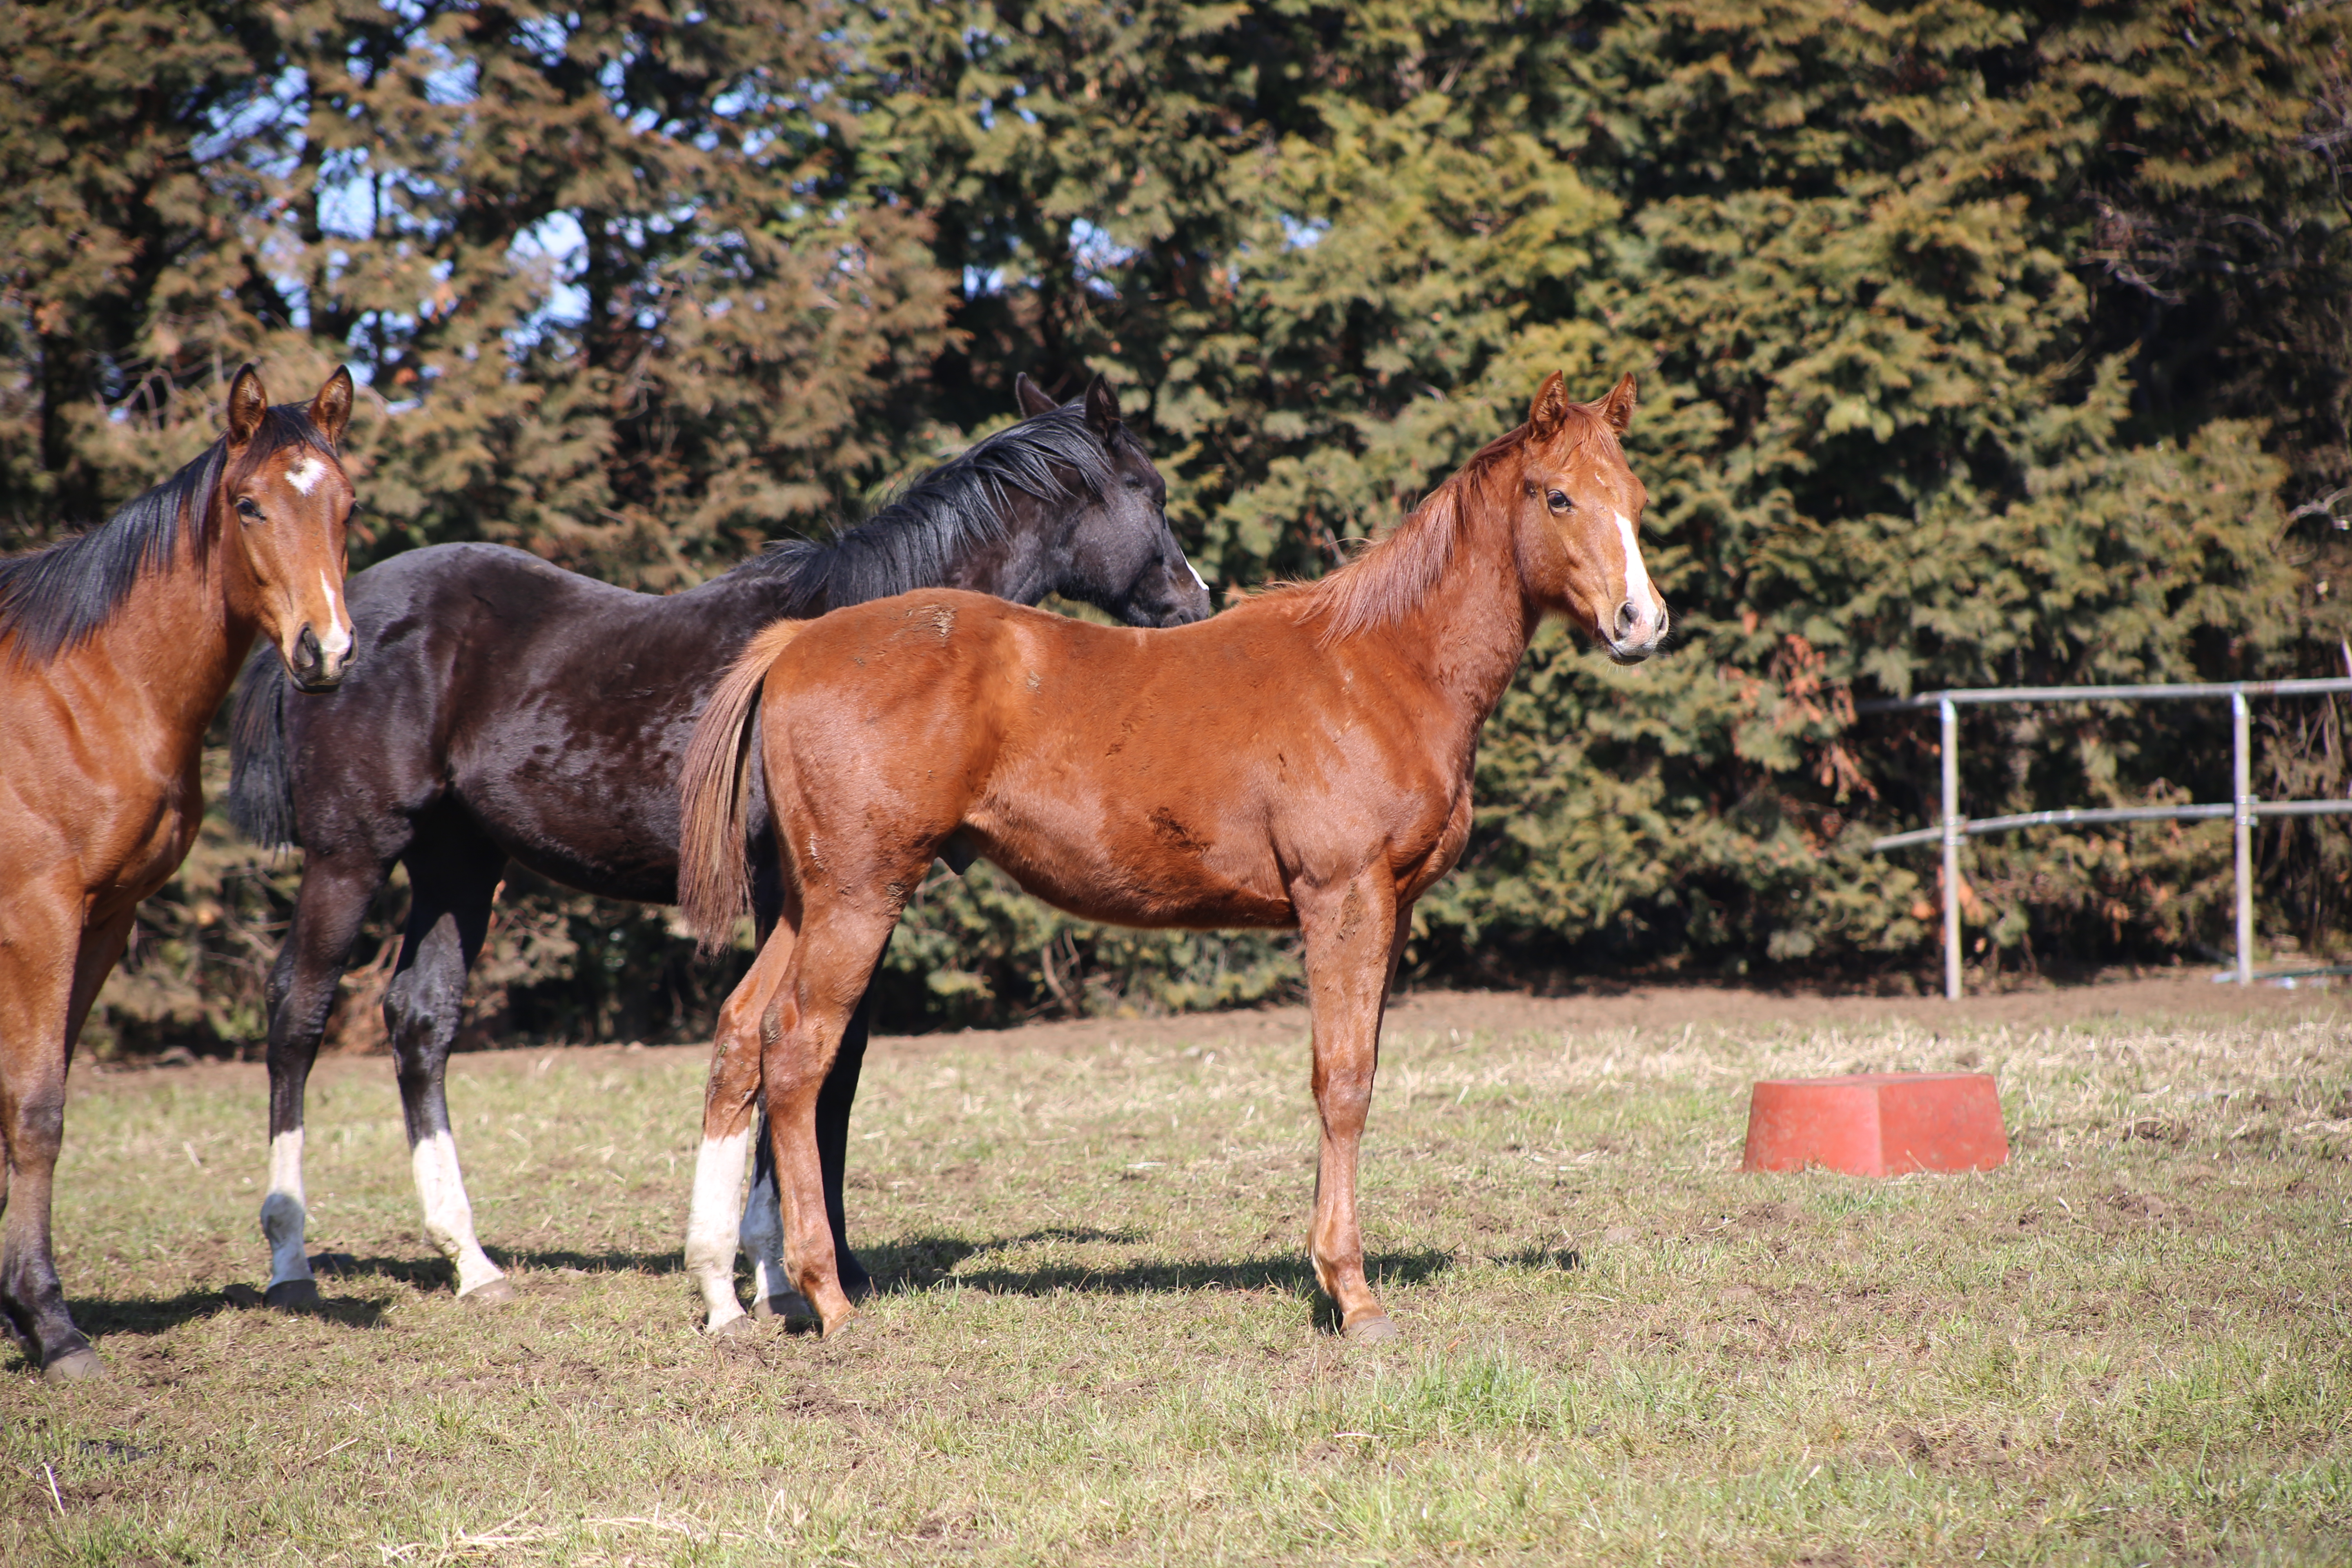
[328,913]
[728,1104]
[763,1222]
[1354,933]
[50,970]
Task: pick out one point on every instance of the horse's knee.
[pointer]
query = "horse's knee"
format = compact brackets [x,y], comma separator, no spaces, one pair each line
[38,1132]
[1344,1090]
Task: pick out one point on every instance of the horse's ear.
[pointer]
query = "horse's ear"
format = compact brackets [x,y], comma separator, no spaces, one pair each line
[1031,397]
[1618,406]
[330,411]
[1548,412]
[1102,408]
[247,401]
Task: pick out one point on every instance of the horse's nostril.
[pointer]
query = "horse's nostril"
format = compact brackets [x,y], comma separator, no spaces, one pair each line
[306,652]
[1628,617]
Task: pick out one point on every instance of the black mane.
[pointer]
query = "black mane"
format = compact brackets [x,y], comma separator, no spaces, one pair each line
[914,541]
[56,598]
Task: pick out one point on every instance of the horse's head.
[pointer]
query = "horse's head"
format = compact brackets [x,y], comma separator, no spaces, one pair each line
[288,500]
[1119,553]
[1580,518]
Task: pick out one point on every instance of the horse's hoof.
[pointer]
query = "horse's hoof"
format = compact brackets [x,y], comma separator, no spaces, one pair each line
[838,1327]
[737,1328]
[489,1293]
[75,1366]
[792,1306]
[292,1296]
[1372,1329]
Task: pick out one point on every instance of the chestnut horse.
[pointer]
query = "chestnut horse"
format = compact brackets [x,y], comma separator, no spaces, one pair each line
[1303,759]
[116,648]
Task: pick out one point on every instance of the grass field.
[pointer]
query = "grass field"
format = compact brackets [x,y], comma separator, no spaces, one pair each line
[1097,1339]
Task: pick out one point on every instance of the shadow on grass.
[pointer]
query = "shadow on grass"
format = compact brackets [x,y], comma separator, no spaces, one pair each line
[652,1263]
[919,1263]
[1540,1257]
[100,1317]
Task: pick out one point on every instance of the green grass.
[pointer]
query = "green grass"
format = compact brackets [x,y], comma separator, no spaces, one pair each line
[1097,1339]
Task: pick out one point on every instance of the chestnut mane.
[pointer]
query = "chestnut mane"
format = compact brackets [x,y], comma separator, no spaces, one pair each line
[1392,577]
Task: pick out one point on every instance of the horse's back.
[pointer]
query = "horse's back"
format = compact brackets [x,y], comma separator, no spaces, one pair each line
[548,708]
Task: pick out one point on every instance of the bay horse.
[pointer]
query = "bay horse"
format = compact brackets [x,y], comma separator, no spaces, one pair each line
[509,711]
[116,648]
[1302,760]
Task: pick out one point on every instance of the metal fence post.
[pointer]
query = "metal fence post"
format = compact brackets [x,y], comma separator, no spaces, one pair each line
[1950,713]
[2244,814]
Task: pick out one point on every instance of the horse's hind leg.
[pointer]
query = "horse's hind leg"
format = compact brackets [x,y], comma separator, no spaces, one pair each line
[801,1033]
[711,1231]
[453,876]
[327,912]
[50,970]
[763,1222]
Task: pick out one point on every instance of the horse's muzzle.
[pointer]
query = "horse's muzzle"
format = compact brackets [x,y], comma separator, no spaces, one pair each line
[1189,598]
[313,668]
[1637,635]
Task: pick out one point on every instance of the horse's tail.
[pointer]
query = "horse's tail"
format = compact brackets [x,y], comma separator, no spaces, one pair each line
[260,784]
[714,788]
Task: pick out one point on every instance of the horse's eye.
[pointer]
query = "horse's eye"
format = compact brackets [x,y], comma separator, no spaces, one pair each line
[1559,501]
[246,509]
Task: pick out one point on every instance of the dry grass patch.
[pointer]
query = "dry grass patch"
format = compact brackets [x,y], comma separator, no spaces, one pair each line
[1097,1339]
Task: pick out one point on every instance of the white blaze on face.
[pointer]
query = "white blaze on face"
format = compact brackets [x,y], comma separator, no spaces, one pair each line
[282,1212]
[336,640]
[305,475]
[710,1225]
[448,1213]
[1638,592]
[1196,575]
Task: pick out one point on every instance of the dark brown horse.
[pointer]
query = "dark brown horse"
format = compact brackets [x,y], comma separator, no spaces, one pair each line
[115,651]
[1303,759]
[509,711]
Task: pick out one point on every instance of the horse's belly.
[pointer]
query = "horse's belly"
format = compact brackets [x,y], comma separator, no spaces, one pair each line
[1154,877]
[603,833]
[1118,897]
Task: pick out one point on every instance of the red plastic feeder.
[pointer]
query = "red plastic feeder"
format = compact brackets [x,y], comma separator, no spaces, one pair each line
[1876,1124]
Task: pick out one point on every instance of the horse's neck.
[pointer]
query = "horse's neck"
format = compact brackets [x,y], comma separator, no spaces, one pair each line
[1012,564]
[178,642]
[1471,629]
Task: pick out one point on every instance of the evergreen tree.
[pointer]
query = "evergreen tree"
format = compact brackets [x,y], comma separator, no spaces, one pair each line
[1951,319]
[592,264]
[1978,343]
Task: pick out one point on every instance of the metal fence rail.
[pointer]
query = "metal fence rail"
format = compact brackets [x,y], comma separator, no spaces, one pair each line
[2243,809]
